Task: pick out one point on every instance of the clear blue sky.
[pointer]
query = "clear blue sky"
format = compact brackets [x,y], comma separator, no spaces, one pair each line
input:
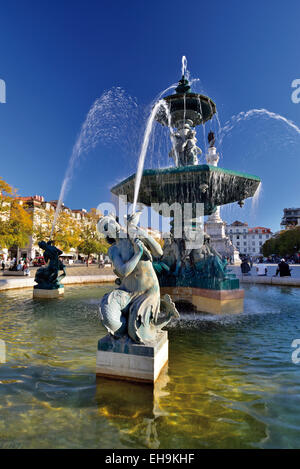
[57,57]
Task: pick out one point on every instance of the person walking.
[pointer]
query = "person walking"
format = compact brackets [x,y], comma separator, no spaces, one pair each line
[2,265]
[261,269]
[283,269]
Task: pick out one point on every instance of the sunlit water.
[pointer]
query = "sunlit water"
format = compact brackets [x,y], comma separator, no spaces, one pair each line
[230,382]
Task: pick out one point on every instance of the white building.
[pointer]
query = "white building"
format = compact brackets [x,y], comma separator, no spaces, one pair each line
[248,241]
[291,218]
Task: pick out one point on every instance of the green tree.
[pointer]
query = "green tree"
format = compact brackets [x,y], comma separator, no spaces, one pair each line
[286,243]
[66,233]
[16,222]
[92,242]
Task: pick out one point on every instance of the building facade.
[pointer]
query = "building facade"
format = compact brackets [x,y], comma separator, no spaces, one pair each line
[248,241]
[291,218]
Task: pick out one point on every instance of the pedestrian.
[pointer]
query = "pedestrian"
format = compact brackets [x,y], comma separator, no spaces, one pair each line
[101,261]
[245,267]
[261,269]
[26,267]
[3,264]
[283,269]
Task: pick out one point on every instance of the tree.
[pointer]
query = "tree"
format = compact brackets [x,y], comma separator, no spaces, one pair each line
[16,222]
[286,243]
[92,242]
[66,233]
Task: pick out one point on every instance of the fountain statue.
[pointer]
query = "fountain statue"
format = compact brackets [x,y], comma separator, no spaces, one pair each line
[190,271]
[130,313]
[185,150]
[132,310]
[47,278]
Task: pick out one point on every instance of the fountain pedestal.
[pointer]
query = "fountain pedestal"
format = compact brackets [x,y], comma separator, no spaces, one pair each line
[126,360]
[43,293]
[215,226]
[207,300]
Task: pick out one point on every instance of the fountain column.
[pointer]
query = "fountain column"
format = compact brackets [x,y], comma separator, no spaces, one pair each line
[215,226]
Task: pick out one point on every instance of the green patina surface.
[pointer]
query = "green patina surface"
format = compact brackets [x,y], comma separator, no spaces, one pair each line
[187,169]
[206,184]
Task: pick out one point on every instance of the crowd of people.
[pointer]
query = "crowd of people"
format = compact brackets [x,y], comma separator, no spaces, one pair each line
[283,268]
[21,265]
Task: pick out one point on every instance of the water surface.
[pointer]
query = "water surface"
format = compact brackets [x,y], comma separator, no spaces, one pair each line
[230,382]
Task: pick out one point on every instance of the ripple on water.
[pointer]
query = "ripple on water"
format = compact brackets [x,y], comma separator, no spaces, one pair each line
[230,380]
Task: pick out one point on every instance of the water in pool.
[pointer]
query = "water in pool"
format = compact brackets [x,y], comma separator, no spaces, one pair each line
[230,383]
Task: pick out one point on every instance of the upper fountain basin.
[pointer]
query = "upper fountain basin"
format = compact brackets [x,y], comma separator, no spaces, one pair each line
[187,106]
[210,185]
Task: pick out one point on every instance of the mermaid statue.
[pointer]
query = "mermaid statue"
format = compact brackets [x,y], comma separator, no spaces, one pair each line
[133,308]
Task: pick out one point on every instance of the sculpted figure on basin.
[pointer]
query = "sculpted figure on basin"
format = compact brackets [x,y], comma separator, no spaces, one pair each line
[133,309]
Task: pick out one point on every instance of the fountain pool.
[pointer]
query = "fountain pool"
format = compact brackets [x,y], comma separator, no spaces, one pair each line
[230,383]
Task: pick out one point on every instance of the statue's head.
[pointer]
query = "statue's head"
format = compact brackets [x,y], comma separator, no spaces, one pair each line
[109,227]
[42,245]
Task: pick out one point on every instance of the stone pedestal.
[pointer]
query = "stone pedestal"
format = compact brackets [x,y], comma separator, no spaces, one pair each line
[123,359]
[42,293]
[208,301]
[215,226]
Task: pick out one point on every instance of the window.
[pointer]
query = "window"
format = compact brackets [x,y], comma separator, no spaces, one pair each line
[260,236]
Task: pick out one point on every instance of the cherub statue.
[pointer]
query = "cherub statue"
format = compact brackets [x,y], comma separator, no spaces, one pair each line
[133,308]
[185,150]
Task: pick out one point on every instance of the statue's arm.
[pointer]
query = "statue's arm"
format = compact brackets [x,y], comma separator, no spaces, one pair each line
[152,245]
[126,268]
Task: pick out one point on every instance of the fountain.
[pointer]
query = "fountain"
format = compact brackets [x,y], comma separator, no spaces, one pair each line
[191,271]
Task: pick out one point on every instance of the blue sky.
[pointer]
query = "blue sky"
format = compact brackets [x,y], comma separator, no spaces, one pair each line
[57,57]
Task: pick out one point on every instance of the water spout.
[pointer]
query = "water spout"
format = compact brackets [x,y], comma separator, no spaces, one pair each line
[242,116]
[160,104]
[184,65]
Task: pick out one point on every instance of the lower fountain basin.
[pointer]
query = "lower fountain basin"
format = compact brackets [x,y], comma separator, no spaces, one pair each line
[205,184]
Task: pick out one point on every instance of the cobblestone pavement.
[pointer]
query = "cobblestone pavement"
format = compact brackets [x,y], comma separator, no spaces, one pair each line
[93,269]
[76,269]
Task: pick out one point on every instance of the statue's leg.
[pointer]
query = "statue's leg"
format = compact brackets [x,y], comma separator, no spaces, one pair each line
[111,312]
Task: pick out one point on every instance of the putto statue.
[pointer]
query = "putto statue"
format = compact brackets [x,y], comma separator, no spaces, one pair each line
[47,278]
[185,150]
[133,309]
